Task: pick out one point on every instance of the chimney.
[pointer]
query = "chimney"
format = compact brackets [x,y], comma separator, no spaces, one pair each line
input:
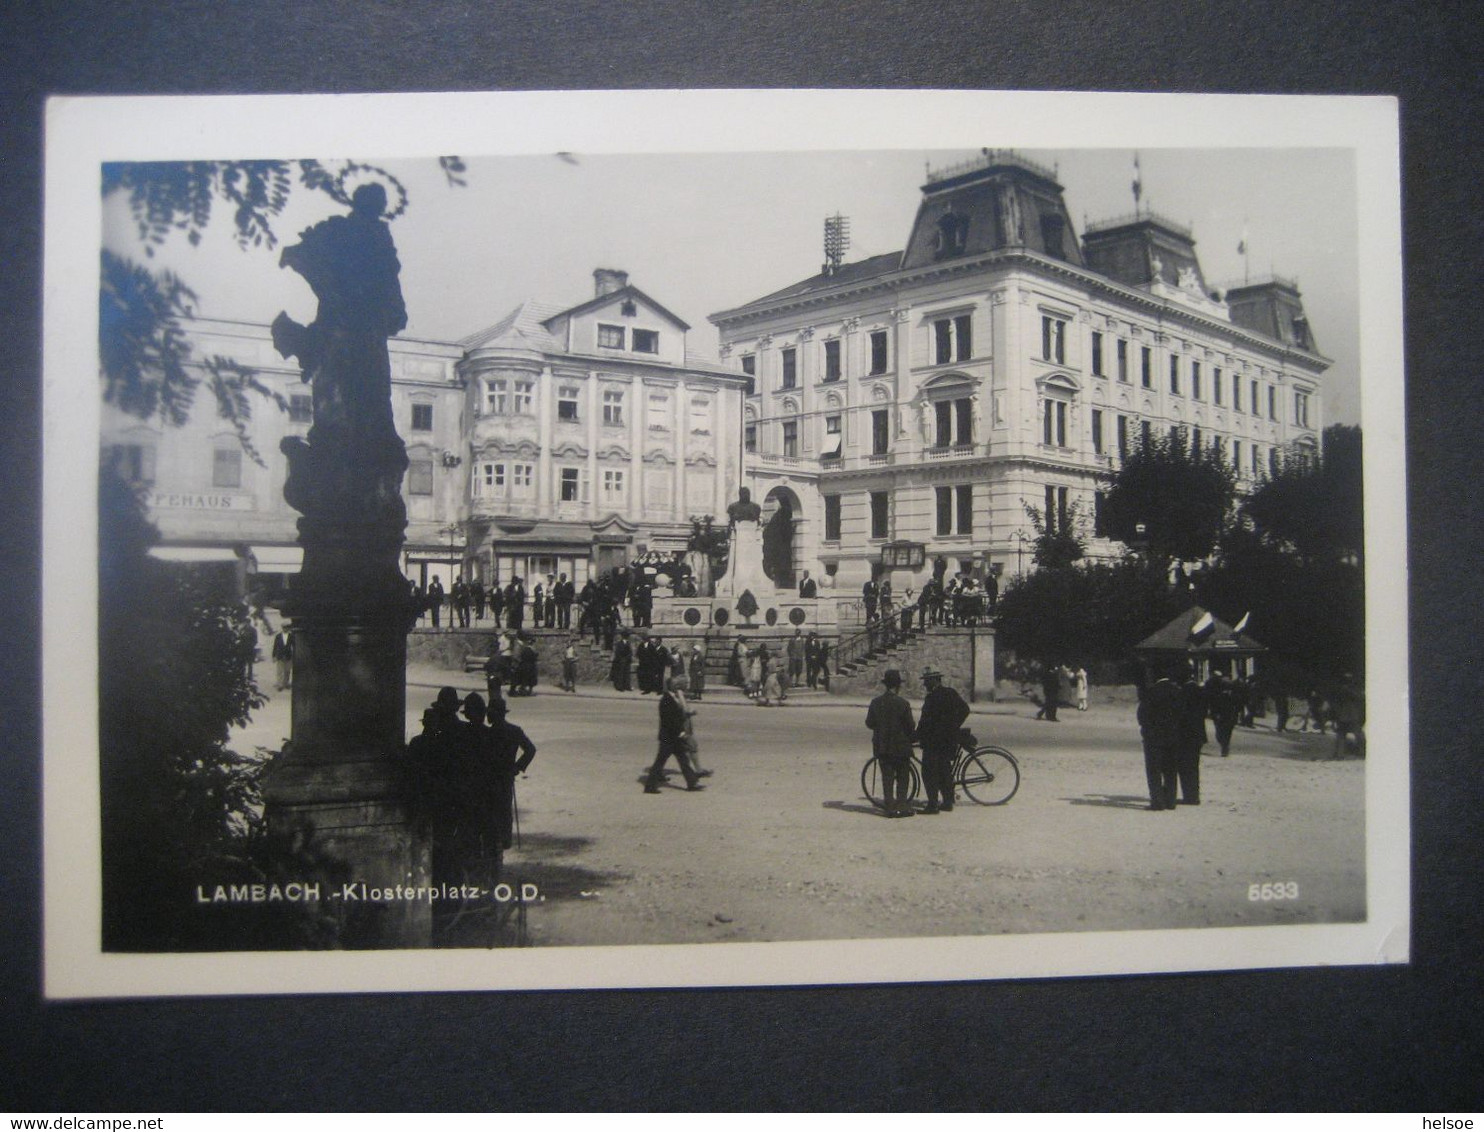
[606,280]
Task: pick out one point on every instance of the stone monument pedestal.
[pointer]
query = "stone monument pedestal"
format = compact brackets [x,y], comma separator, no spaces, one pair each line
[745,563]
[336,796]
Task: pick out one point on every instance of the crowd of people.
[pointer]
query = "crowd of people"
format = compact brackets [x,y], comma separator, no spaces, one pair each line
[1174,707]
[461,785]
[549,604]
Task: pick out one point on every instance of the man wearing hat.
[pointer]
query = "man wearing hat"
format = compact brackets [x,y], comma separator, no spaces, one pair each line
[890,719]
[943,714]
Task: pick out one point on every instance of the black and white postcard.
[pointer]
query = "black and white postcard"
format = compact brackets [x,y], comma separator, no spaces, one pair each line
[618,539]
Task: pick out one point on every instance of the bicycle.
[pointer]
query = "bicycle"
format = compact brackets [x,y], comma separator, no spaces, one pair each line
[988,775]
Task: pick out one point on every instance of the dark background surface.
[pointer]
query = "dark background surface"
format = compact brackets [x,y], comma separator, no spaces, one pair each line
[1373,1039]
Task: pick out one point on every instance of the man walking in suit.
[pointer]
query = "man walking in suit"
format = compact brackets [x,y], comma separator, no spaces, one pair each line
[672,742]
[283,659]
[943,714]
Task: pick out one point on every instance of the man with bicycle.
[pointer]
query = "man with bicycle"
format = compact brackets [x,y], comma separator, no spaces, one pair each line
[943,715]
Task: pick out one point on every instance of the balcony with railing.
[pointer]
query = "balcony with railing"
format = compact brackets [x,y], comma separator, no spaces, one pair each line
[941,452]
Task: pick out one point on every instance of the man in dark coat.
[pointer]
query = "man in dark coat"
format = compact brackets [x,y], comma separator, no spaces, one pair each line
[1162,725]
[435,600]
[618,671]
[807,587]
[512,751]
[1224,700]
[497,602]
[1050,691]
[672,742]
[943,715]
[515,604]
[1189,768]
[890,719]
[476,595]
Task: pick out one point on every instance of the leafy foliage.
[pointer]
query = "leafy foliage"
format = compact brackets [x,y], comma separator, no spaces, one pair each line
[1058,546]
[1087,612]
[179,806]
[1183,498]
[1315,510]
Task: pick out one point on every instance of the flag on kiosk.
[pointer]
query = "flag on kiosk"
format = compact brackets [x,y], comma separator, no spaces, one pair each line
[1202,626]
[1242,624]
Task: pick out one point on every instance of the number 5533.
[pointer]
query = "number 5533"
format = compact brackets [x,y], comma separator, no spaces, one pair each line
[1278,890]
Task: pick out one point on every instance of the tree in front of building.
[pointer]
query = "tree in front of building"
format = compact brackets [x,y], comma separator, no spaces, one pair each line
[1294,564]
[1084,613]
[709,544]
[1059,542]
[1170,500]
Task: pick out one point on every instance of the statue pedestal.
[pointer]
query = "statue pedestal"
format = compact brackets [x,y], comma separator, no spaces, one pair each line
[335,794]
[745,563]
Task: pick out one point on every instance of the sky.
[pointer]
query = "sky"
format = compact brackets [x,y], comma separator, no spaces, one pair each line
[703,232]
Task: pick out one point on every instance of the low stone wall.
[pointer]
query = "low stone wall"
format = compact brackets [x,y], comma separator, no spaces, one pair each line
[950,651]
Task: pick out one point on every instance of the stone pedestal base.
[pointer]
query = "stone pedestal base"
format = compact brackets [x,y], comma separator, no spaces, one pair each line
[362,852]
[335,795]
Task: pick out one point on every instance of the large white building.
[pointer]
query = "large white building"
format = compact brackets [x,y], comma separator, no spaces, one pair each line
[559,440]
[907,407]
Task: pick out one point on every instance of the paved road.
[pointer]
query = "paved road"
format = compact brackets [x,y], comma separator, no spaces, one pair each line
[782,845]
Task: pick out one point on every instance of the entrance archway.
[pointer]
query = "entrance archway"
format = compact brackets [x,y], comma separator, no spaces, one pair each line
[783,520]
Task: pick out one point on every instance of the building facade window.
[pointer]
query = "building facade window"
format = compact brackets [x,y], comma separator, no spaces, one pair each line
[955,510]
[646,341]
[878,351]
[569,398]
[953,339]
[749,437]
[523,480]
[496,397]
[1097,431]
[749,367]
[1237,456]
[1145,432]
[1146,367]
[523,398]
[1100,514]
[226,467]
[571,486]
[1216,385]
[790,369]
[613,486]
[1256,460]
[1053,339]
[831,518]
[880,514]
[791,438]
[1274,461]
[1301,409]
[1272,402]
[1097,353]
[880,431]
[613,408]
[1195,380]
[1055,516]
[1054,423]
[1122,351]
[135,463]
[489,480]
[610,337]
[1122,437]
[301,408]
[833,438]
[420,477]
[1175,374]
[953,422]
[1256,398]
[422,418]
[832,360]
